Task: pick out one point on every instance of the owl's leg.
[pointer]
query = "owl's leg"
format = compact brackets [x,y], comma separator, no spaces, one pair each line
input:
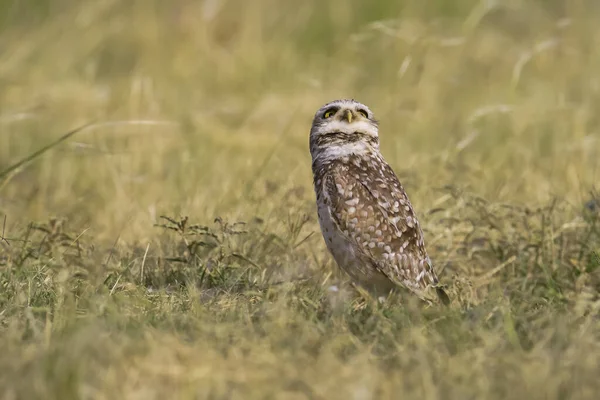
[374,298]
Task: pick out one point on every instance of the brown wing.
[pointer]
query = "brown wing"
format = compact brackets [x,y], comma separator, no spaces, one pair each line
[373,211]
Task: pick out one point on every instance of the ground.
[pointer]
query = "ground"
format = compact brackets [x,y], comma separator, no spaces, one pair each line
[171,249]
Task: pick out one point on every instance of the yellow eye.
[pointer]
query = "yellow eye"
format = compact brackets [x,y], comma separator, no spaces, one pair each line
[329,113]
[363,113]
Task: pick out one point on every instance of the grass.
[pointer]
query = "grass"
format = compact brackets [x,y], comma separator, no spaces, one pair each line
[170,249]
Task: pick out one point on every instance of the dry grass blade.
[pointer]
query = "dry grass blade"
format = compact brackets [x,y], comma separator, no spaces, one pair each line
[7,173]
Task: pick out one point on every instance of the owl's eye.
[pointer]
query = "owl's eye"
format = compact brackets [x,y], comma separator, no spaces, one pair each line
[362,112]
[329,112]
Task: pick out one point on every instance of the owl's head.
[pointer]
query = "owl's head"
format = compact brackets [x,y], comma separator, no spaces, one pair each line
[343,127]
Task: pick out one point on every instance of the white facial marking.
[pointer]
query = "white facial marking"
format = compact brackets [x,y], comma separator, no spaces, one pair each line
[334,152]
[345,127]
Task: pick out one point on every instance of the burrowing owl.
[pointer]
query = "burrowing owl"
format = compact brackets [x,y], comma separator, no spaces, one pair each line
[366,218]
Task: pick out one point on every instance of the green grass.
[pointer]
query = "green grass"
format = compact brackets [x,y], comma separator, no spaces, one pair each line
[489,115]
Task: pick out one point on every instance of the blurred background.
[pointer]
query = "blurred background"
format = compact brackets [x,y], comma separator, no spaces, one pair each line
[205,106]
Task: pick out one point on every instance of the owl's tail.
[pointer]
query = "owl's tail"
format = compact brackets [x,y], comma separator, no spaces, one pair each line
[442,295]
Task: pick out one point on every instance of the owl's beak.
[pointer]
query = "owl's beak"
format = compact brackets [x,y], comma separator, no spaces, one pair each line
[347,115]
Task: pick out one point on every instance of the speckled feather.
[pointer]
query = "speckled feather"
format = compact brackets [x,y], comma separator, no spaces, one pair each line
[367,220]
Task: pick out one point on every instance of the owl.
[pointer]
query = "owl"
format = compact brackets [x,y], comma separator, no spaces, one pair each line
[366,219]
